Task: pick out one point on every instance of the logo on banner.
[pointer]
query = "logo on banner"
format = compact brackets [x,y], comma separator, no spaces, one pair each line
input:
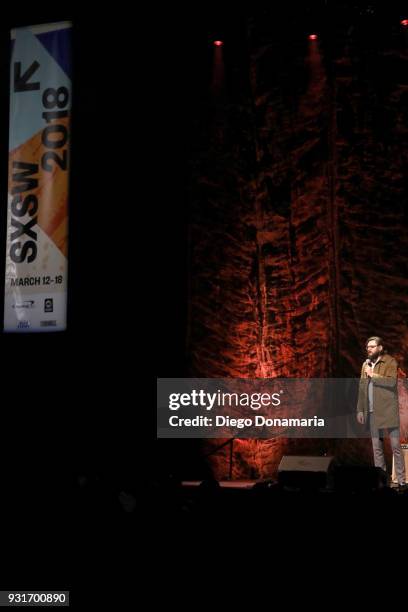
[48,305]
[23,324]
[25,304]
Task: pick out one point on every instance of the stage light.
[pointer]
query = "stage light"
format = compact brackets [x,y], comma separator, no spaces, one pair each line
[218,43]
[312,36]
[404,22]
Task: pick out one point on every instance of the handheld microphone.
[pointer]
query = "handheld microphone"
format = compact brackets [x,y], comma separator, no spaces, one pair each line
[369,363]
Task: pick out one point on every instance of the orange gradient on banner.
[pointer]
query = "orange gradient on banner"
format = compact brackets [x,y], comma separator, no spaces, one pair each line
[52,190]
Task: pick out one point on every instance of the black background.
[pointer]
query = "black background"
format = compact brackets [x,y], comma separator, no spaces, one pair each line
[68,398]
[74,403]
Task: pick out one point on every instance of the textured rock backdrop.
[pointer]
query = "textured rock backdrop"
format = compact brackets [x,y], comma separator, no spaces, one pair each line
[298,222]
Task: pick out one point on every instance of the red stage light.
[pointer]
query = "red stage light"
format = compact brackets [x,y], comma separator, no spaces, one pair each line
[312,36]
[218,43]
[404,22]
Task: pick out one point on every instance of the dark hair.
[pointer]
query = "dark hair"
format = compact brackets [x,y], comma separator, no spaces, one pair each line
[378,340]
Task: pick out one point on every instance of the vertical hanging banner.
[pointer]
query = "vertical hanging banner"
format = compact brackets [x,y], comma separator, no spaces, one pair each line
[39,142]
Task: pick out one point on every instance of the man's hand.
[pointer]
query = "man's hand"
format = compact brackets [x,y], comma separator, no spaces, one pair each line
[368,371]
[360,417]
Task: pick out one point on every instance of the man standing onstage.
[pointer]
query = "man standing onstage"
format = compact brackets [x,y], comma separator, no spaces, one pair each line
[378,404]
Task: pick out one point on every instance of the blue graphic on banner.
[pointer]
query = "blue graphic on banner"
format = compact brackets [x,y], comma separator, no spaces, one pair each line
[56,44]
[26,47]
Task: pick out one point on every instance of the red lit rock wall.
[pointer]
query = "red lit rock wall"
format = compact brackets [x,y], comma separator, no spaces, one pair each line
[298,228]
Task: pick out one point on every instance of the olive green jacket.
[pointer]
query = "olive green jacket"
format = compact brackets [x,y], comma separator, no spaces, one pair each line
[385,393]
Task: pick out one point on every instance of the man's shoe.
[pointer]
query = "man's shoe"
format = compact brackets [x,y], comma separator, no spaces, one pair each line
[402,487]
